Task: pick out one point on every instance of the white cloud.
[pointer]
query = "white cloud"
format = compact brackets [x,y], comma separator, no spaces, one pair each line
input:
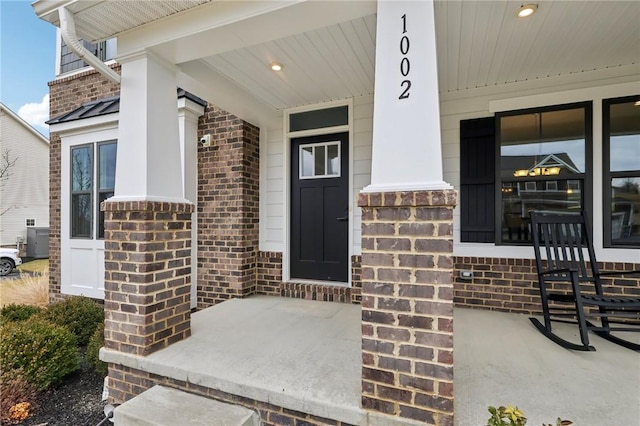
[36,114]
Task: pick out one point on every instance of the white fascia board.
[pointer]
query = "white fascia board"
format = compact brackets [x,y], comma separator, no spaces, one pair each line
[218,27]
[200,79]
[85,125]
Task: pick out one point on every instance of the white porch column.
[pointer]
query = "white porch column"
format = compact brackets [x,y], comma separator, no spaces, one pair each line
[407,230]
[407,152]
[149,166]
[188,113]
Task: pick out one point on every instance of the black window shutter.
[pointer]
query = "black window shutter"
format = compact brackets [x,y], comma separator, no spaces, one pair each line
[477,180]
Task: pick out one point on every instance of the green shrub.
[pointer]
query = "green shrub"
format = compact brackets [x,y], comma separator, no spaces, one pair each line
[80,315]
[93,349]
[44,351]
[13,313]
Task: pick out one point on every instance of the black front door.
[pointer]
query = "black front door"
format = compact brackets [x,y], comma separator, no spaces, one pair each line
[320,207]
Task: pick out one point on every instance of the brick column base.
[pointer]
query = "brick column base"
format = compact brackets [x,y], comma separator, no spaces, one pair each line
[147,275]
[407,304]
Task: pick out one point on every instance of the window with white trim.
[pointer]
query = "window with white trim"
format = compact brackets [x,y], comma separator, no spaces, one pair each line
[91,183]
[30,222]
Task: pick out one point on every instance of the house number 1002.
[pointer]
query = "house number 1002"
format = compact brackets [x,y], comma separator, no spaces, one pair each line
[405,65]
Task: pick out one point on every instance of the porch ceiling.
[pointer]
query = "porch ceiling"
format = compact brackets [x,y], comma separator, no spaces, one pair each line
[480,43]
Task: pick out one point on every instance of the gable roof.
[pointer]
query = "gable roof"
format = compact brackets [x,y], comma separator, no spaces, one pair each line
[26,125]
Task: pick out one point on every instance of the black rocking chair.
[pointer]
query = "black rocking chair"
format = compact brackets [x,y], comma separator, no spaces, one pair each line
[564,240]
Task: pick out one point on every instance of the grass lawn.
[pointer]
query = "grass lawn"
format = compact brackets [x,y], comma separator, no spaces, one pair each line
[39,266]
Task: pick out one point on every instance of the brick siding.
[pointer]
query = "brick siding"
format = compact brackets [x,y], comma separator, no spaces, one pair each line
[269,282]
[147,275]
[65,95]
[511,285]
[125,383]
[407,304]
[228,207]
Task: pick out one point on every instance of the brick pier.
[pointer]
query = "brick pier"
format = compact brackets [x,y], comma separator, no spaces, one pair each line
[147,275]
[407,304]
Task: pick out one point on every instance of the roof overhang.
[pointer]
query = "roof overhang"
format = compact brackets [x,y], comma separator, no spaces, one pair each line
[328,47]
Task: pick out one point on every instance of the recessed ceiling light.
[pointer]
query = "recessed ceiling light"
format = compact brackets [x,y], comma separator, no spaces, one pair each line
[527,10]
[276,66]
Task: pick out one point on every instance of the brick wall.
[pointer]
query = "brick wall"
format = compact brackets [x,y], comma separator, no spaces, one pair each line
[65,95]
[228,207]
[125,383]
[147,275]
[269,282]
[407,304]
[511,285]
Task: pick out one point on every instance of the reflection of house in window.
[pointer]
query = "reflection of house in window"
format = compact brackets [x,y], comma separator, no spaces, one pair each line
[533,165]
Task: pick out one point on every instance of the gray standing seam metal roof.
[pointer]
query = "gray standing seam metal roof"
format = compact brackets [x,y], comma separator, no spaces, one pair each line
[109,105]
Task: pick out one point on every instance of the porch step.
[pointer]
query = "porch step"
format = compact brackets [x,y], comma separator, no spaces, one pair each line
[162,406]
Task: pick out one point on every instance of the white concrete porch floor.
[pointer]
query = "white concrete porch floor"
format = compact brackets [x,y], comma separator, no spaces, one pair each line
[305,356]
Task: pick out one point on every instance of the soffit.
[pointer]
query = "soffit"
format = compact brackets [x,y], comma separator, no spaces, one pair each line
[479,43]
[101,20]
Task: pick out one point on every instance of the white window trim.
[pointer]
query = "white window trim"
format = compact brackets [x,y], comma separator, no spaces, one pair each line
[26,222]
[594,94]
[75,133]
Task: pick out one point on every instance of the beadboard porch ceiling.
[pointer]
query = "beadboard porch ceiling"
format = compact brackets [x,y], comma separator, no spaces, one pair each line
[480,43]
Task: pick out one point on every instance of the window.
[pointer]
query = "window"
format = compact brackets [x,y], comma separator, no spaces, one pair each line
[83,191]
[621,149]
[30,222]
[519,161]
[320,160]
[544,152]
[319,118]
[69,61]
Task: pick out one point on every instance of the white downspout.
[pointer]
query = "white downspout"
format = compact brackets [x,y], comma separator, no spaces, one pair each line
[68,31]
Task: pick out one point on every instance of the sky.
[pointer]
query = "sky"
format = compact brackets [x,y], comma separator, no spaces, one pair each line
[27,62]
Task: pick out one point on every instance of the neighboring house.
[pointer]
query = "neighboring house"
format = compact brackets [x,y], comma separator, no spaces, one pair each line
[360,152]
[24,188]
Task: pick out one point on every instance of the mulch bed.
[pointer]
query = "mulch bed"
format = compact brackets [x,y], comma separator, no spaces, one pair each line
[77,401]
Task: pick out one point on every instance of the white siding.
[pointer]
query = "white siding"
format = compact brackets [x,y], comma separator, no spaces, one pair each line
[485,102]
[26,192]
[362,137]
[272,215]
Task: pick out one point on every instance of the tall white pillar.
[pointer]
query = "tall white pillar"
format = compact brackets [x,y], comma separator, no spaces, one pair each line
[149,165]
[188,113]
[407,153]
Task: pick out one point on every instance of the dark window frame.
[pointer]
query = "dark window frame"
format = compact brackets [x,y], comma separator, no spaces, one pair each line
[101,191]
[72,229]
[608,175]
[586,177]
[95,193]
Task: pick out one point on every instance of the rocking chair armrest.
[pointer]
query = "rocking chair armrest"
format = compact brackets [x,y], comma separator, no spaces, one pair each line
[617,273]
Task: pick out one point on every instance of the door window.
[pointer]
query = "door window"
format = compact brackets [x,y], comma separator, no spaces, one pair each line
[321,160]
